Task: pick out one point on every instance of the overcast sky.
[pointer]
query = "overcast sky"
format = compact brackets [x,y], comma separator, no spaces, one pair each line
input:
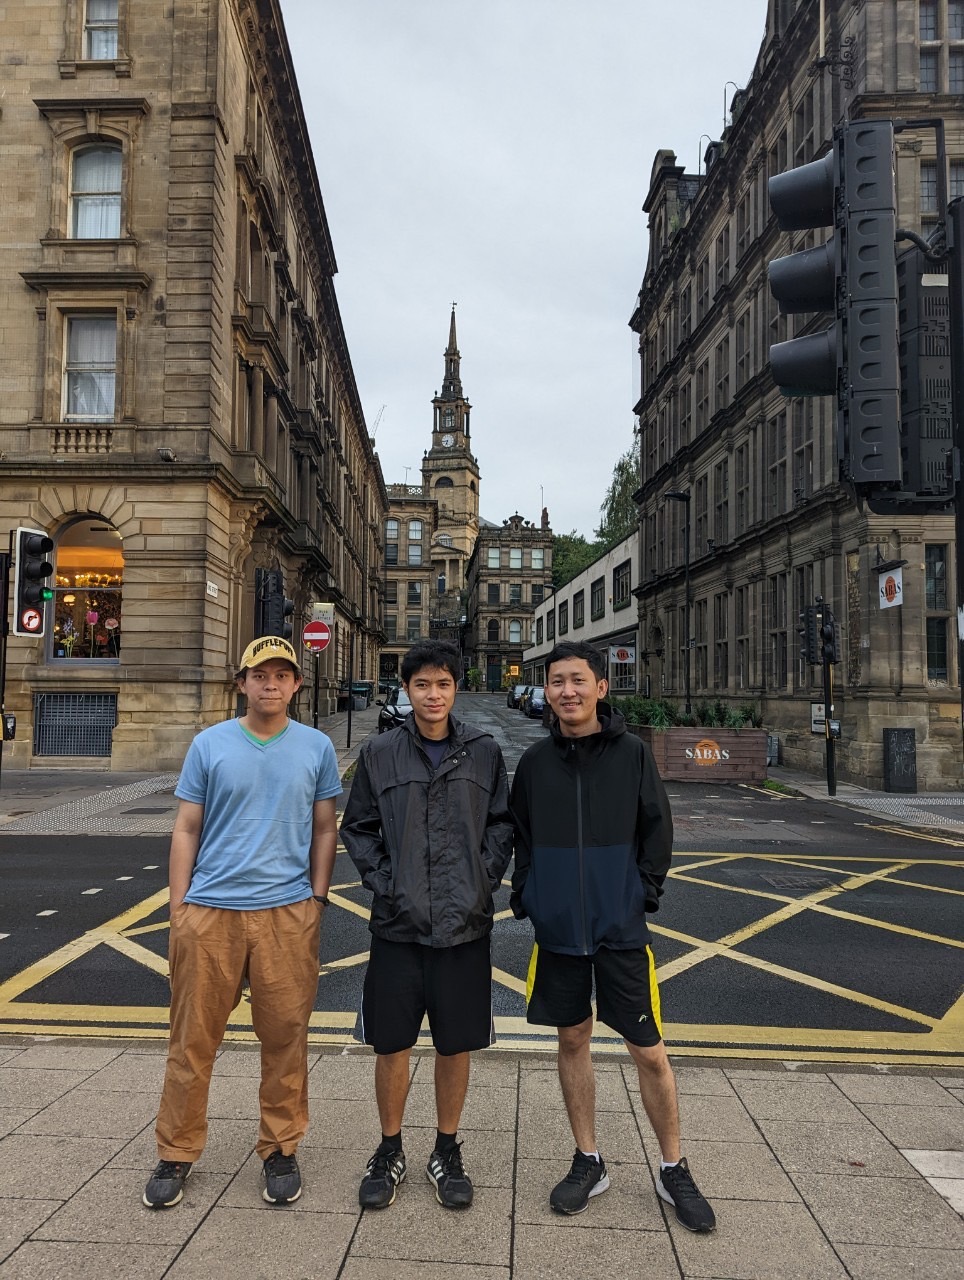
[497,153]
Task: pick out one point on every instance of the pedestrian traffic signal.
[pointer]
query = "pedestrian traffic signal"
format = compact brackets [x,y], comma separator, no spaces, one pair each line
[31,589]
[853,276]
[273,610]
[809,632]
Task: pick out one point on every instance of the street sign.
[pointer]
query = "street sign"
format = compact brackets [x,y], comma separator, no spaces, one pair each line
[323,613]
[891,589]
[317,636]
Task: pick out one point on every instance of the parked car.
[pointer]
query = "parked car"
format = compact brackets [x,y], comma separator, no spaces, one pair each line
[536,702]
[387,684]
[360,691]
[515,693]
[524,697]
[395,709]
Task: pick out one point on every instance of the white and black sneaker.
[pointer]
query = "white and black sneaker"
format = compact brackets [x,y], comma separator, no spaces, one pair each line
[165,1186]
[386,1170]
[453,1187]
[676,1186]
[586,1178]
[282,1179]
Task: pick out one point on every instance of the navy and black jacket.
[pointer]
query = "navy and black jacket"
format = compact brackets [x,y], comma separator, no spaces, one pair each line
[593,838]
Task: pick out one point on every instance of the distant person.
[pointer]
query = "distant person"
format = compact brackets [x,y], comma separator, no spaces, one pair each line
[593,842]
[427,825]
[251,859]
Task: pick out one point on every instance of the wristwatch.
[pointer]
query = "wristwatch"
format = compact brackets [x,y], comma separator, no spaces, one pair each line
[320,897]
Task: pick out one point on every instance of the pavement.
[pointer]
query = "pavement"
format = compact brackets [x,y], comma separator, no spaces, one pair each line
[816,1172]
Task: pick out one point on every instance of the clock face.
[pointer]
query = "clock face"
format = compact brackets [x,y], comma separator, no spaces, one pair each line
[448,441]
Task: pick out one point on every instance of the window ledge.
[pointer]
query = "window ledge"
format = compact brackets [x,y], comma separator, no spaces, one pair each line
[622,604]
[70,67]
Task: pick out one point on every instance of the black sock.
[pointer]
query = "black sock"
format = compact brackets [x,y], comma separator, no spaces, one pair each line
[395,1142]
[443,1141]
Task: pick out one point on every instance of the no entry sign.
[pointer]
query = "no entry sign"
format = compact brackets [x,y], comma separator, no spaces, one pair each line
[317,636]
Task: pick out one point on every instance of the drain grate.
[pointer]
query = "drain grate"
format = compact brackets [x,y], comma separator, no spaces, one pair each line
[802,881]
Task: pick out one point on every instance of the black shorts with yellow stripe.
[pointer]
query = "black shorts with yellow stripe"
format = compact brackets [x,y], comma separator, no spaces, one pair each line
[559,991]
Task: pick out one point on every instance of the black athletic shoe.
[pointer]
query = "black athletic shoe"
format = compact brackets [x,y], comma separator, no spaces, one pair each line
[166,1184]
[453,1188]
[282,1179]
[386,1170]
[676,1186]
[586,1178]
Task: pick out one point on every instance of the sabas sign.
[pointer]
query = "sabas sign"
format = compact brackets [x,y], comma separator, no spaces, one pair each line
[706,752]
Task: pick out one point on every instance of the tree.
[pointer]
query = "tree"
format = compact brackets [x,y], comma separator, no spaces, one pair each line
[571,553]
[618,510]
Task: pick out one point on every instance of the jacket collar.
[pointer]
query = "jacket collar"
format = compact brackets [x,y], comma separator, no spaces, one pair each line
[612,725]
[459,731]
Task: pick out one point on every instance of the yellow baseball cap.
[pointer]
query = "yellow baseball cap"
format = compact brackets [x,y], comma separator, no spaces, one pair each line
[265,648]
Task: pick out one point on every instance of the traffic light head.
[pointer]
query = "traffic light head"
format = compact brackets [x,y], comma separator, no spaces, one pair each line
[830,639]
[272,608]
[809,635]
[31,587]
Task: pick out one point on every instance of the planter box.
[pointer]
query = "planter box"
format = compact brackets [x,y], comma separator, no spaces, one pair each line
[706,755]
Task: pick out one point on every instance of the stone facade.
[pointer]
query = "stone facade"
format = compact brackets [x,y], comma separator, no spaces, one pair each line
[179,405]
[770,525]
[509,575]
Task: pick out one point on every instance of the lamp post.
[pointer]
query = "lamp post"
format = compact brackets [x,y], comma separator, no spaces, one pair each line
[684,495]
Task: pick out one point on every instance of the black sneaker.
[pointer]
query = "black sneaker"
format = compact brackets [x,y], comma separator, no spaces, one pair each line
[386,1170]
[453,1188]
[282,1179]
[676,1186]
[166,1184]
[586,1178]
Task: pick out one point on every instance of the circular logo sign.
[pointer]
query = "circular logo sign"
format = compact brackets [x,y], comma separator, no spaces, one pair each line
[706,752]
[622,655]
[31,620]
[890,589]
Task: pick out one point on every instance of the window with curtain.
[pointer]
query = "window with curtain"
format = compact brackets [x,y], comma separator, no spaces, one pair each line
[95,193]
[100,29]
[538,557]
[494,557]
[515,557]
[515,632]
[90,369]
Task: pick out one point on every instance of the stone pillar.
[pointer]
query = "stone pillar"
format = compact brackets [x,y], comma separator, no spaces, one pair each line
[271,432]
[257,410]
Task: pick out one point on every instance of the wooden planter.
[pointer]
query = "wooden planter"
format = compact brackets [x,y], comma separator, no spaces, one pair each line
[706,755]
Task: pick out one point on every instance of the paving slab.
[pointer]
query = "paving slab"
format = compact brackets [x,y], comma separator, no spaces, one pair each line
[542,1087]
[927,1128]
[108,1210]
[823,1147]
[952,1190]
[20,1218]
[881,1262]
[936,1164]
[244,1061]
[786,1100]
[392,1269]
[12,1118]
[329,1177]
[711,1081]
[722,1170]
[709,1116]
[234,1242]
[229,1143]
[131,1073]
[235,1097]
[347,1078]
[546,1130]
[58,1166]
[757,1241]
[884,1211]
[36,1087]
[486,1107]
[53,1259]
[67,1057]
[550,1252]
[94,1115]
[339,1122]
[902,1090]
[417,1227]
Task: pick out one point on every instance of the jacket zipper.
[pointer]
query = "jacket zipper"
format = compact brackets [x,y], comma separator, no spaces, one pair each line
[579,839]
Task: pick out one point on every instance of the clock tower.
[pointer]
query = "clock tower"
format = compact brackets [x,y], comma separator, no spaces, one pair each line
[450,475]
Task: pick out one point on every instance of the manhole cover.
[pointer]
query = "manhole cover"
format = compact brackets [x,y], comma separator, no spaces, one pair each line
[803,881]
[161,809]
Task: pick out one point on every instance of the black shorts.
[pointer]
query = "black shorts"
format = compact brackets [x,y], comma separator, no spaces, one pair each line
[406,981]
[559,992]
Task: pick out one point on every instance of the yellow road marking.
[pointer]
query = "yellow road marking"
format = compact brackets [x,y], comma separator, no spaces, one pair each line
[915,835]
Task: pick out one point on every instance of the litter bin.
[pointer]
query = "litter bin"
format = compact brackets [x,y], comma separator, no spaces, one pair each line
[773,749]
[359,704]
[900,760]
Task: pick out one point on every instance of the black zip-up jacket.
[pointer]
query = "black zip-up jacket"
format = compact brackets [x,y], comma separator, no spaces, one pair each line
[593,838]
[432,845]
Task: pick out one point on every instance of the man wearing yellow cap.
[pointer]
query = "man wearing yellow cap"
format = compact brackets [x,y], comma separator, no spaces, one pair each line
[251,859]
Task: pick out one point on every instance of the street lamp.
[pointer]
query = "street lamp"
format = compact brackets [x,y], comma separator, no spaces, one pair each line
[684,495]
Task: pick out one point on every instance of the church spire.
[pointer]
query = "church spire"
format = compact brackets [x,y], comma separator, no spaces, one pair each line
[452,383]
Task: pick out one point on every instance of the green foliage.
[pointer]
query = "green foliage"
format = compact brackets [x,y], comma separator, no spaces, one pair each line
[473,678]
[618,511]
[660,713]
[571,553]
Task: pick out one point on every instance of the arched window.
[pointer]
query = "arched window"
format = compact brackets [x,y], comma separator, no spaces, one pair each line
[88,588]
[444,540]
[444,482]
[515,632]
[493,632]
[95,193]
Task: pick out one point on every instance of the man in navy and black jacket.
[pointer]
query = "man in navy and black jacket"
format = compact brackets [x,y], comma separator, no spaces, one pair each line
[593,843]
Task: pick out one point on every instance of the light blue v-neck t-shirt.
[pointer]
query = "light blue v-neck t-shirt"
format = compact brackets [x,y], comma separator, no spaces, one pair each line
[258,799]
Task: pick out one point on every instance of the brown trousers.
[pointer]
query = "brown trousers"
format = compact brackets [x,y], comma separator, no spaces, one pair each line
[211,953]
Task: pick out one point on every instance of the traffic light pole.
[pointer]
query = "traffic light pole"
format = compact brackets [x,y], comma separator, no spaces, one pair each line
[827,717]
[6,559]
[955,289]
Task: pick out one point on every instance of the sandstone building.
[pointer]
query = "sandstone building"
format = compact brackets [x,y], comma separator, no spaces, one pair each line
[756,475]
[179,407]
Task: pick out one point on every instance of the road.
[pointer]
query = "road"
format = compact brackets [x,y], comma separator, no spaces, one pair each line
[790,927]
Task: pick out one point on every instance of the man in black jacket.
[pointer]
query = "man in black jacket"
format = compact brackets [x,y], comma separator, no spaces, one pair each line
[593,843]
[427,825]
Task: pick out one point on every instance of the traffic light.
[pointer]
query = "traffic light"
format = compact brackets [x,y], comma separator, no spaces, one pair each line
[853,276]
[809,632]
[830,638]
[273,610]
[31,590]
